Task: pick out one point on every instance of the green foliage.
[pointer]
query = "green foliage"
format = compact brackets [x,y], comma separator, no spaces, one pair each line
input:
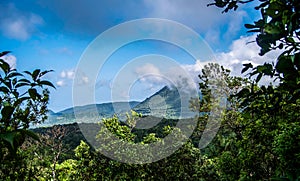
[131,120]
[182,165]
[266,124]
[23,101]
[278,28]
[259,134]
[269,146]
[121,131]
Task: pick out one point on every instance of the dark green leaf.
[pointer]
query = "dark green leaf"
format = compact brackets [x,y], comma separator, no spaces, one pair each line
[253,73]
[265,69]
[249,26]
[24,80]
[246,67]
[254,31]
[284,64]
[4,90]
[33,93]
[259,76]
[14,74]
[33,84]
[5,67]
[27,72]
[260,23]
[7,112]
[44,82]
[35,74]
[243,93]
[45,72]
[271,29]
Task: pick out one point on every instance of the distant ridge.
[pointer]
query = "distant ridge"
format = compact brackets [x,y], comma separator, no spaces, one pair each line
[88,114]
[103,108]
[165,103]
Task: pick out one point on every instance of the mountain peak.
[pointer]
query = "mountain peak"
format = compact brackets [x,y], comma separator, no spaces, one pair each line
[164,103]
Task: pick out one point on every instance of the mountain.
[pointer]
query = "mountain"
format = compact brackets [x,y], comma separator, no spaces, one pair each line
[166,103]
[89,113]
[102,110]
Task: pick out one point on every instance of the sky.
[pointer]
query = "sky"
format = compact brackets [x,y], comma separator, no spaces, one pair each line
[58,34]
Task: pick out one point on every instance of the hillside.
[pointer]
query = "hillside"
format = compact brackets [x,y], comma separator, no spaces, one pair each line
[88,113]
[165,103]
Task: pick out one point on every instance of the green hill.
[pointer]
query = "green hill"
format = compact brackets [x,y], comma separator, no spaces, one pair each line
[165,103]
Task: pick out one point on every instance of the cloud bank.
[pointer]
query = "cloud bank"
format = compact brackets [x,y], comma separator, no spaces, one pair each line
[240,52]
[67,77]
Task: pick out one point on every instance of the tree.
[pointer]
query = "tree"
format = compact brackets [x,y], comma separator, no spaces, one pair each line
[54,141]
[219,158]
[270,114]
[278,28]
[23,102]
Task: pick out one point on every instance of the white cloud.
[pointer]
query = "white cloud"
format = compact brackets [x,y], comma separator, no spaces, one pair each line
[194,69]
[18,25]
[150,73]
[174,76]
[60,83]
[67,76]
[63,74]
[11,60]
[70,74]
[240,52]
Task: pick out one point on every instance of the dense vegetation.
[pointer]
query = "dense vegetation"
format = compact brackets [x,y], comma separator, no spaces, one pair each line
[259,136]
[250,145]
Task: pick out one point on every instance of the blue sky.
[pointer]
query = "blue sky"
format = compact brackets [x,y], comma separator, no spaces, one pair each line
[53,34]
